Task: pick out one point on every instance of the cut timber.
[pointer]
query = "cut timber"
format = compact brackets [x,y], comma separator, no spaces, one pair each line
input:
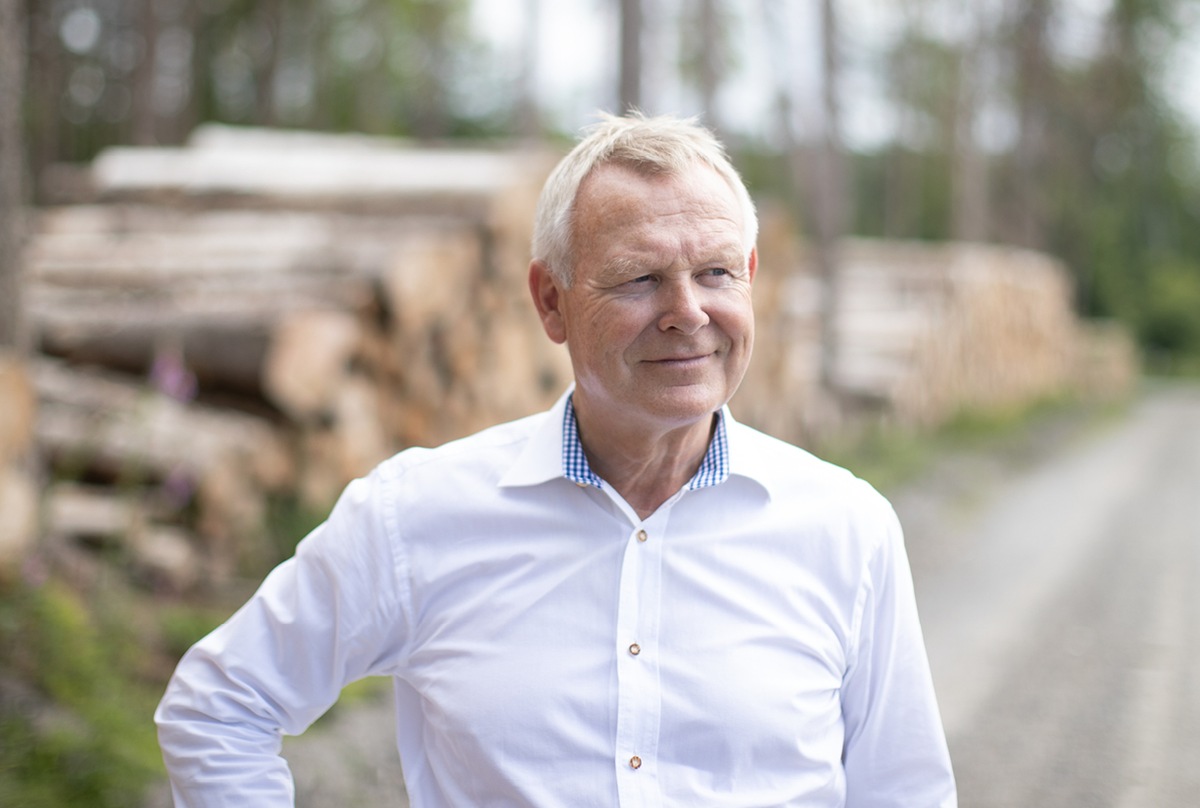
[353,442]
[99,425]
[163,555]
[130,426]
[111,285]
[18,494]
[18,516]
[167,557]
[307,169]
[18,403]
[91,514]
[308,359]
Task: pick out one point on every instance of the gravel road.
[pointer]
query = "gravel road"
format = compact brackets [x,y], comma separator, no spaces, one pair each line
[1062,616]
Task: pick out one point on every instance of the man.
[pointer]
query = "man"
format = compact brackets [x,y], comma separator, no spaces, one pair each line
[630,600]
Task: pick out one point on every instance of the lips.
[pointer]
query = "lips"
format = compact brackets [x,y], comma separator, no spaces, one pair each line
[679,360]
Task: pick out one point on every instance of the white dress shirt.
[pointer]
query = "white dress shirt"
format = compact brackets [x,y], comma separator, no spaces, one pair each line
[754,642]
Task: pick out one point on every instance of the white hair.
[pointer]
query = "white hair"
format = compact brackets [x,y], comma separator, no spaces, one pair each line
[658,145]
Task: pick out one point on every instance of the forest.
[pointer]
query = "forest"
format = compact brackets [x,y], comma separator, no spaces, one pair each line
[1068,127]
[1058,125]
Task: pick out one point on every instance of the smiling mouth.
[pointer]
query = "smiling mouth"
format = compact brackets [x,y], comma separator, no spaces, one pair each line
[679,361]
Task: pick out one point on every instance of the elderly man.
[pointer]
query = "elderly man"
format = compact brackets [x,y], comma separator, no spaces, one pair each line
[629,600]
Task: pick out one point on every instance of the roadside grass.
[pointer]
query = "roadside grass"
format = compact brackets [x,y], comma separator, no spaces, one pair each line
[76,693]
[889,456]
[85,662]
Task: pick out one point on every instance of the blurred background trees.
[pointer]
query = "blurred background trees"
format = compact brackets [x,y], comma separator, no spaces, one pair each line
[1050,124]
[12,179]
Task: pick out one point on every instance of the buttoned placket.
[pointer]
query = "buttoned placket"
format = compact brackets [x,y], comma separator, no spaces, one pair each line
[639,695]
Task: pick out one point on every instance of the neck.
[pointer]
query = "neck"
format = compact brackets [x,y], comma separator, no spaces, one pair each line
[645,466]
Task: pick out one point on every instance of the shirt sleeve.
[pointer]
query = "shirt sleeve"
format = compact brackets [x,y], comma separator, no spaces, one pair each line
[331,614]
[895,753]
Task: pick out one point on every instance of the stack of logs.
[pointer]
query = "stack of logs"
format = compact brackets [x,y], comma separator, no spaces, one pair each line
[263,316]
[922,333]
[18,494]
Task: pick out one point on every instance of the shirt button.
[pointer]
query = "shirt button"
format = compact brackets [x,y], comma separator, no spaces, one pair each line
[635,649]
[642,535]
[581,485]
[635,762]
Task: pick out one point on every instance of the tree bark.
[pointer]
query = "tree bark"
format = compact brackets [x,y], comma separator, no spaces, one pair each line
[12,181]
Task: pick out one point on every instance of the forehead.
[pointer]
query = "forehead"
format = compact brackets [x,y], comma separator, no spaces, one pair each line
[620,205]
[608,185]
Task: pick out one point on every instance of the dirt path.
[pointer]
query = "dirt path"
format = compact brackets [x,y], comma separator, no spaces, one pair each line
[1062,615]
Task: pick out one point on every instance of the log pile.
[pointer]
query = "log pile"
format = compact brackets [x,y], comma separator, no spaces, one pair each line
[956,326]
[162,463]
[923,332]
[264,315]
[18,494]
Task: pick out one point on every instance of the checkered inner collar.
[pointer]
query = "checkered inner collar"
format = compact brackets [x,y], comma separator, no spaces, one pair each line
[713,470]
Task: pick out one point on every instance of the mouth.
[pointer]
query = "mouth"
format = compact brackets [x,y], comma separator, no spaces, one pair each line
[679,361]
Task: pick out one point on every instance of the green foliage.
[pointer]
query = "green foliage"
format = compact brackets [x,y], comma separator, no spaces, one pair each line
[80,732]
[181,626]
[290,520]
[1170,316]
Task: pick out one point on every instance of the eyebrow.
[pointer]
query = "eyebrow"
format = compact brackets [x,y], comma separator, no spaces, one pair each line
[621,266]
[624,265]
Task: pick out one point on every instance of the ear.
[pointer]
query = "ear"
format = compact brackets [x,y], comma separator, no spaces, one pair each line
[752,262]
[547,297]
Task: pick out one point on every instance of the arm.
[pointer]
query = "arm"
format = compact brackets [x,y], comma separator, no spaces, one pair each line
[895,752]
[330,615]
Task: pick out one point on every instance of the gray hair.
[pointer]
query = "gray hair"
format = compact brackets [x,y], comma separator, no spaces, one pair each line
[659,145]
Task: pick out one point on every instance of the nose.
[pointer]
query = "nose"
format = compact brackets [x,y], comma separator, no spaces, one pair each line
[682,307]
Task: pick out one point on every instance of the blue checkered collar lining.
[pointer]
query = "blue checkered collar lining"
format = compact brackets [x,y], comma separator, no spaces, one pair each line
[713,470]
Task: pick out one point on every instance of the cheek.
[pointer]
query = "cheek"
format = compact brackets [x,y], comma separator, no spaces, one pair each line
[736,320]
[611,327]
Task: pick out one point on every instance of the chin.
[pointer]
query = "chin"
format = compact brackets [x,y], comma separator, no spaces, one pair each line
[683,406]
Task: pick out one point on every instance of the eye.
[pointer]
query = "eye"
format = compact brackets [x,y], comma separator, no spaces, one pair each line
[715,276]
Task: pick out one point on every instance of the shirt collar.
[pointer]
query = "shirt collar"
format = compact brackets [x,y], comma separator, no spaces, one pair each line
[554,451]
[714,469]
[541,459]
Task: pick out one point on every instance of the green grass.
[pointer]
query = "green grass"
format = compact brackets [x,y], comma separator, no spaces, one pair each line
[889,456]
[75,724]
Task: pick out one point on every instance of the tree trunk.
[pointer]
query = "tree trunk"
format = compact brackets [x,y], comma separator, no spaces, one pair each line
[1034,77]
[12,183]
[709,59]
[630,79]
[829,189]
[431,113]
[45,84]
[529,124]
[145,119]
[971,187]
[266,61]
